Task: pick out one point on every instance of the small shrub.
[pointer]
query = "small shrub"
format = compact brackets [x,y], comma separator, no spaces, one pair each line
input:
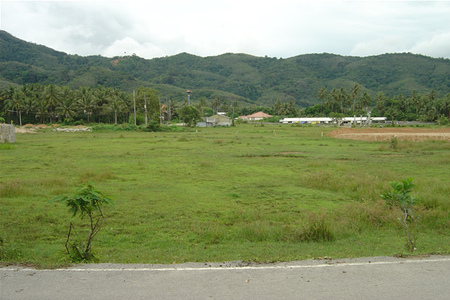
[400,197]
[393,143]
[87,201]
[153,126]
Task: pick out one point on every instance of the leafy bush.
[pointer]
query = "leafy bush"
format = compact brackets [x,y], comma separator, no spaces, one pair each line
[400,196]
[153,126]
[87,201]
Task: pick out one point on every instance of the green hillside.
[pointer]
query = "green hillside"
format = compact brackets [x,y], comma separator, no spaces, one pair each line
[238,77]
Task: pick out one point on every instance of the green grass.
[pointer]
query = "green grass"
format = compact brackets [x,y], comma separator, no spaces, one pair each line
[272,193]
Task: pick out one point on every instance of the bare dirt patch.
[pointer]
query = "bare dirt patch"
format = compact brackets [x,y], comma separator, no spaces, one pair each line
[30,128]
[25,129]
[386,134]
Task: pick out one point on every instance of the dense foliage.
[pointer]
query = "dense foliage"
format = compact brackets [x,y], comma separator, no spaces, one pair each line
[427,107]
[246,79]
[35,103]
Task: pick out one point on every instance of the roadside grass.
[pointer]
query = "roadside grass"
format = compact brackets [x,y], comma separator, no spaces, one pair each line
[272,193]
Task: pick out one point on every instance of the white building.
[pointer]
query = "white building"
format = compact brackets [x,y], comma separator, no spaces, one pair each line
[339,121]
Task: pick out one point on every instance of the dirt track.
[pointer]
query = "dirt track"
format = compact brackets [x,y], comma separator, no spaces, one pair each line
[385,134]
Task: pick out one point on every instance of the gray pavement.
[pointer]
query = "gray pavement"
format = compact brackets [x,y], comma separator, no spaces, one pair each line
[361,278]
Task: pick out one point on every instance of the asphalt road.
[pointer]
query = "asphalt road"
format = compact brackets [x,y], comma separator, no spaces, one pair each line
[362,278]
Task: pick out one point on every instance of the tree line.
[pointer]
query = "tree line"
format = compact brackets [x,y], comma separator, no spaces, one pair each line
[36,103]
[426,107]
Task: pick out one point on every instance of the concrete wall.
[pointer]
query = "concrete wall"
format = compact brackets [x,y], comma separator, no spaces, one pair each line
[7,133]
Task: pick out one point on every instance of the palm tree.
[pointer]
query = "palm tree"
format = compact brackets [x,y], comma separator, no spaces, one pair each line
[41,109]
[102,97]
[416,101]
[322,94]
[86,100]
[438,108]
[277,107]
[115,104]
[224,106]
[202,103]
[51,96]
[380,99]
[291,109]
[14,102]
[66,107]
[354,95]
[340,97]
[366,101]
[330,100]
[234,107]
[446,100]
[215,104]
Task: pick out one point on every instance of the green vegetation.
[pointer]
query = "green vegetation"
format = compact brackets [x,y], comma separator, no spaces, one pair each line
[87,201]
[400,196]
[272,193]
[40,85]
[249,80]
[55,104]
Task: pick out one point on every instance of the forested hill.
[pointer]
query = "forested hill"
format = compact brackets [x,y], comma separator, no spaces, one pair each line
[241,77]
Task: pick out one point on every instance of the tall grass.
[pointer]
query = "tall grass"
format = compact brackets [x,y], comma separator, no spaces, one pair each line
[241,193]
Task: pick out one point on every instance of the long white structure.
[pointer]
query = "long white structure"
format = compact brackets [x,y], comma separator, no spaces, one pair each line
[339,121]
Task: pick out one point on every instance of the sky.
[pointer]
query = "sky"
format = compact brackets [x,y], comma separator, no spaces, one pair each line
[280,28]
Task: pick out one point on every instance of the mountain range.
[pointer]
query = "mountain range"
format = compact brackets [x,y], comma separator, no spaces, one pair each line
[244,78]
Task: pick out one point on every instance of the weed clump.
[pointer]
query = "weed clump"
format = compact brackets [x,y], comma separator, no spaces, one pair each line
[393,143]
[318,230]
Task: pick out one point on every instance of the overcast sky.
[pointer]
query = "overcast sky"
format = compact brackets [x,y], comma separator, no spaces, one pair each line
[277,28]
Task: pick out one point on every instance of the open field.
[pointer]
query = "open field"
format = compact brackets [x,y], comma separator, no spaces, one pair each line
[220,194]
[385,134]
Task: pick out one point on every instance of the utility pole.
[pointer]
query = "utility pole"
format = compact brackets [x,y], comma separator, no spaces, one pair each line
[160,118]
[134,106]
[169,110]
[145,108]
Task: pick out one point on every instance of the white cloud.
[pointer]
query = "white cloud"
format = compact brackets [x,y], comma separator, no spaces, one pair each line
[283,28]
[387,44]
[128,46]
[437,46]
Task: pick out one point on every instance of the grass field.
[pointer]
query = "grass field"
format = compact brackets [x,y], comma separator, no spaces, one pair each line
[271,193]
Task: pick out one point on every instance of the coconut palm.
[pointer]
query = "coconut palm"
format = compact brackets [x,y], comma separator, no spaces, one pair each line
[322,94]
[115,104]
[14,102]
[42,109]
[102,97]
[354,95]
[86,100]
[52,97]
[215,104]
[67,105]
[366,101]
[202,103]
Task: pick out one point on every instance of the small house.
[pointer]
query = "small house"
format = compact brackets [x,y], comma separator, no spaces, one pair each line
[218,120]
[256,116]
